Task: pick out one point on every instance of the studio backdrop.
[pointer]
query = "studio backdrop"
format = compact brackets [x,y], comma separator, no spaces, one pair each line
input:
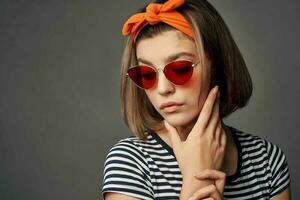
[59,89]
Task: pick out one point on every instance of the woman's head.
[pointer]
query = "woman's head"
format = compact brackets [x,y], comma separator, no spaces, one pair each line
[217,62]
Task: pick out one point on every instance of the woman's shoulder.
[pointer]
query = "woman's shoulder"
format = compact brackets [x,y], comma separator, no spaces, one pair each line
[261,156]
[126,169]
[132,149]
[246,137]
[250,141]
[134,143]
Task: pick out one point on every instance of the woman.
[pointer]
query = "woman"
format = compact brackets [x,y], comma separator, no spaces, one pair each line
[182,74]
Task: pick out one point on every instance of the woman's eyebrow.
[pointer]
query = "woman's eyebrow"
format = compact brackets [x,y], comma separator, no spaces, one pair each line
[170,58]
[142,60]
[175,56]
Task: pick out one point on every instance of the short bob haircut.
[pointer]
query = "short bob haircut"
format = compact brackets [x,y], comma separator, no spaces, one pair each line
[214,40]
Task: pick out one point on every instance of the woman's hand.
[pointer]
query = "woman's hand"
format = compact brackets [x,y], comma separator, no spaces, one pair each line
[205,145]
[214,191]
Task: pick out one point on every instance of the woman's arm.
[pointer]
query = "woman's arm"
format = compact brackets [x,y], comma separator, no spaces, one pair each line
[117,196]
[284,195]
[213,191]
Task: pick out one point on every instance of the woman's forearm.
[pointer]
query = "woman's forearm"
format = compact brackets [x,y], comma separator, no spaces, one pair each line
[190,185]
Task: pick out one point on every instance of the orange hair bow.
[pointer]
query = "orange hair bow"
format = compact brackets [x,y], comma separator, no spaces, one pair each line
[156,13]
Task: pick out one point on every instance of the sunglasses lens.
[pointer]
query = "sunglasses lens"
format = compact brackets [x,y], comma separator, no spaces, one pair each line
[179,72]
[143,76]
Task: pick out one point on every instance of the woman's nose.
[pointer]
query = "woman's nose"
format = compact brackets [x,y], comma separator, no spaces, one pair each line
[164,86]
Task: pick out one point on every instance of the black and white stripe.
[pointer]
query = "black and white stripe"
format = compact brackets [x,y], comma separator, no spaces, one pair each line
[149,170]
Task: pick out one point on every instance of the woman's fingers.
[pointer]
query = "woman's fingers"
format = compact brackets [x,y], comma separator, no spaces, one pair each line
[209,191]
[214,120]
[214,125]
[173,134]
[206,111]
[223,138]
[211,174]
[218,177]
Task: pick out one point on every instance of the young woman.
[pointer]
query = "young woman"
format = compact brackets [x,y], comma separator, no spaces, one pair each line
[182,73]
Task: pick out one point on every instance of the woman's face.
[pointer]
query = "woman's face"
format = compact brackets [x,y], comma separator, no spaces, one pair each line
[184,102]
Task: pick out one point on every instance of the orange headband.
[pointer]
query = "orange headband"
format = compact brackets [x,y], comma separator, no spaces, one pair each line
[156,13]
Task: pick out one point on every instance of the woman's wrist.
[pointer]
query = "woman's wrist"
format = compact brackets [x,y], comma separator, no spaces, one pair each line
[190,185]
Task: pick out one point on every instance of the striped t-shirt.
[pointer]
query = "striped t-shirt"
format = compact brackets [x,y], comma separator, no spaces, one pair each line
[149,170]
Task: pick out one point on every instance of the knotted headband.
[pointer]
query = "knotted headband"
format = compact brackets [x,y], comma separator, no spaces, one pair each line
[156,13]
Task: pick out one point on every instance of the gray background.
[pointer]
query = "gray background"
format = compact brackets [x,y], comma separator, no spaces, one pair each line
[59,87]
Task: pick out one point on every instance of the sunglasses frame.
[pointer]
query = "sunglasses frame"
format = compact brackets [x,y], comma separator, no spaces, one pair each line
[194,64]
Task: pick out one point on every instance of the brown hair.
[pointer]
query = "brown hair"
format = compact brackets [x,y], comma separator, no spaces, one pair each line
[212,38]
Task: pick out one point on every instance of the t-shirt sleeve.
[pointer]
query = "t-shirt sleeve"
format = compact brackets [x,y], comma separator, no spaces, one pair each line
[279,169]
[125,172]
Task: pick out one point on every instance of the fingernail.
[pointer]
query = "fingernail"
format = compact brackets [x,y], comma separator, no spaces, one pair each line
[215,90]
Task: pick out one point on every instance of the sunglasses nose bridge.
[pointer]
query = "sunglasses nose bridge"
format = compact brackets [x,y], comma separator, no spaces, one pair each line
[163,71]
[164,84]
[159,69]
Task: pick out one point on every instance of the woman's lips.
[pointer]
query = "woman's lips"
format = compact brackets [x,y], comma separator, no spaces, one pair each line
[170,109]
[170,106]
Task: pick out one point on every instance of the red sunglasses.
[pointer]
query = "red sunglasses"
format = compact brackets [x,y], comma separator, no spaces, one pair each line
[178,72]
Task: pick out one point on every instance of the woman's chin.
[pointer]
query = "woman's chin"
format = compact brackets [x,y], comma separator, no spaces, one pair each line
[182,119]
[179,121]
